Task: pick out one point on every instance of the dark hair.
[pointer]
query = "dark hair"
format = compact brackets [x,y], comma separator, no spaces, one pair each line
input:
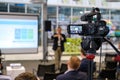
[83,52]
[97,9]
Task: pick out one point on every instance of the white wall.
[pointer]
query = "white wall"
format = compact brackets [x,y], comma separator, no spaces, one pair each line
[32,56]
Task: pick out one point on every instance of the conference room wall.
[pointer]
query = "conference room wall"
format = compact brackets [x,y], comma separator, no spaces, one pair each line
[24,56]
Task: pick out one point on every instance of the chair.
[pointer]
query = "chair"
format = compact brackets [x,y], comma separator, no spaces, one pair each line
[42,69]
[109,63]
[63,67]
[51,76]
[5,77]
[110,74]
[110,68]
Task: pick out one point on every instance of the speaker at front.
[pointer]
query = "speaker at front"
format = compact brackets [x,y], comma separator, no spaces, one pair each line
[47,25]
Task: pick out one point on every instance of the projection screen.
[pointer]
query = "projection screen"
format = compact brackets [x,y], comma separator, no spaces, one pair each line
[18,33]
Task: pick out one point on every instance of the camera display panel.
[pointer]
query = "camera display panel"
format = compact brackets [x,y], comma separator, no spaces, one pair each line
[75,29]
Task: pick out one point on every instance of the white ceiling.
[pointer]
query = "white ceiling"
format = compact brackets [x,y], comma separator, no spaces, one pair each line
[113,0]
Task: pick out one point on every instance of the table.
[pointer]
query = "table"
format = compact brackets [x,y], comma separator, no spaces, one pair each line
[13,72]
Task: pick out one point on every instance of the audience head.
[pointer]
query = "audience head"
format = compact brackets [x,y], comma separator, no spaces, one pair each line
[74,63]
[83,54]
[26,76]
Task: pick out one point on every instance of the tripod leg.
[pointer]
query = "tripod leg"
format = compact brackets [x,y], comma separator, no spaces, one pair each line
[112,45]
[90,70]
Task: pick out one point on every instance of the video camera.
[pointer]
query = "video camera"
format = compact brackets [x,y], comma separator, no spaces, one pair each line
[95,27]
[92,30]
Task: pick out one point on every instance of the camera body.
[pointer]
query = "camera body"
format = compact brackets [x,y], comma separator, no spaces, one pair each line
[90,29]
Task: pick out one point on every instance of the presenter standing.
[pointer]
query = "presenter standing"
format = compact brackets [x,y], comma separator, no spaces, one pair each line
[58,46]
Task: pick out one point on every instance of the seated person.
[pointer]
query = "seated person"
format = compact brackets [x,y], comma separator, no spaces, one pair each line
[84,66]
[26,76]
[72,73]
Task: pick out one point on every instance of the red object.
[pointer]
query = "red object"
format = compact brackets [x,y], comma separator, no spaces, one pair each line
[90,56]
[117,58]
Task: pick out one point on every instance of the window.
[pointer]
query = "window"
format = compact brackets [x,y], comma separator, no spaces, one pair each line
[64,16]
[17,8]
[51,14]
[77,12]
[33,8]
[104,13]
[3,7]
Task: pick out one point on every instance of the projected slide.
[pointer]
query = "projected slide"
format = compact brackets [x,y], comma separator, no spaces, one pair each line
[18,34]
[23,34]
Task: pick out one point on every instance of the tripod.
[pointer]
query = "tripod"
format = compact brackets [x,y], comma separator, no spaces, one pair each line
[90,55]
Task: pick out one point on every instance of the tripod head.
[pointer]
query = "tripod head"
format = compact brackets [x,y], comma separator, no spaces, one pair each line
[90,56]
